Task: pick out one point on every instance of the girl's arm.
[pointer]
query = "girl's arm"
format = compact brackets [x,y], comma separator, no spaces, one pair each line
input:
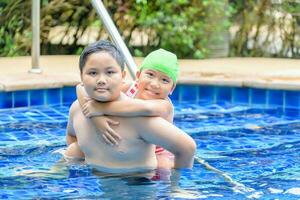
[125,108]
[129,108]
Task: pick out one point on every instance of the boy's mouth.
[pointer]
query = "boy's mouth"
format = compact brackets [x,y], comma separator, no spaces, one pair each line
[101,89]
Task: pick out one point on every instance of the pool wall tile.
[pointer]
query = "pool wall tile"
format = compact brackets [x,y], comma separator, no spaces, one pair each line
[292,99]
[258,96]
[37,97]
[5,99]
[190,93]
[69,94]
[20,98]
[291,112]
[54,96]
[175,93]
[207,93]
[223,94]
[183,92]
[240,95]
[275,97]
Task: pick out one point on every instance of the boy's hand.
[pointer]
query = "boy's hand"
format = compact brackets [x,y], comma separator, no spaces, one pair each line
[103,124]
[89,109]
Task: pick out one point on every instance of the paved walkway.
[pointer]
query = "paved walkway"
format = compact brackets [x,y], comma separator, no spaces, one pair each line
[59,71]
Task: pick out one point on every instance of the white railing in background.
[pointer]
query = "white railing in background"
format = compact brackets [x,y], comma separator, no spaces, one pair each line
[35,48]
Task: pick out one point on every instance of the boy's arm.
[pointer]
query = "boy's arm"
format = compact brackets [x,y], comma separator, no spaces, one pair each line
[158,131]
[70,132]
[73,150]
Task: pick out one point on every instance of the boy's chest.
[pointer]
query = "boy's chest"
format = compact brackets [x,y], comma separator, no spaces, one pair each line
[91,141]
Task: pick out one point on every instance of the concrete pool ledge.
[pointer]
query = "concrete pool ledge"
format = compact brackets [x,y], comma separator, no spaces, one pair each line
[60,71]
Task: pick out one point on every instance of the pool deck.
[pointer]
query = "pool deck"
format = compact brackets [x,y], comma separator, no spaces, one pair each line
[59,71]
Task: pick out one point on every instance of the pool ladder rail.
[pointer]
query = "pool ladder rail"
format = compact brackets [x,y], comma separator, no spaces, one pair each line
[237,187]
[108,24]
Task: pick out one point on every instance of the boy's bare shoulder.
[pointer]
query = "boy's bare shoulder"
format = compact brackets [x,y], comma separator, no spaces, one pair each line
[74,108]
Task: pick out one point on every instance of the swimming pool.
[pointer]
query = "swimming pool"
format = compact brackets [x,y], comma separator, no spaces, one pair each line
[251,135]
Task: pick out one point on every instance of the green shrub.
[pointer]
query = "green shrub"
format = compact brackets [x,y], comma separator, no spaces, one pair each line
[14,32]
[189,28]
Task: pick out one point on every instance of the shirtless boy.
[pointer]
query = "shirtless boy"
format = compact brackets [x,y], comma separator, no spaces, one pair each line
[156,79]
[101,67]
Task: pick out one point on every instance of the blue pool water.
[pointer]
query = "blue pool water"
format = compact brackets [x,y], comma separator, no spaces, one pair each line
[256,147]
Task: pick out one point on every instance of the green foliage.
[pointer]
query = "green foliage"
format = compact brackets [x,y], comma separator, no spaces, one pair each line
[263,25]
[189,28]
[14,38]
[184,27]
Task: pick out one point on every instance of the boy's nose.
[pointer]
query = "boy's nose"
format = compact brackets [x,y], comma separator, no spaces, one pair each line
[101,80]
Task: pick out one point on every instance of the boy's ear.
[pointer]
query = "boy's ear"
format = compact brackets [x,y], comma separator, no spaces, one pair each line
[124,74]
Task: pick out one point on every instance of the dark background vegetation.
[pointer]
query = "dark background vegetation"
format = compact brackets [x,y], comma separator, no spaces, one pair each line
[190,28]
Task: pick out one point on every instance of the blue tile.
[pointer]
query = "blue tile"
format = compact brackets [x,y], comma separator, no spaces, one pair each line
[275,97]
[53,96]
[290,112]
[292,99]
[189,93]
[175,94]
[69,94]
[207,93]
[240,95]
[223,94]
[20,98]
[258,96]
[37,97]
[5,99]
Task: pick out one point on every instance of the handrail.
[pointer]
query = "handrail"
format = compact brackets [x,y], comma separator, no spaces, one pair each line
[115,35]
[35,48]
[108,24]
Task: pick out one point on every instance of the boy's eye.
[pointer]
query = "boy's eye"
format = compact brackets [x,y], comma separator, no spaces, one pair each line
[110,72]
[92,73]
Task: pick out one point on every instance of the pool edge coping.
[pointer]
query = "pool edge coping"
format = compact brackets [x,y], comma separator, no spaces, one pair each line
[281,74]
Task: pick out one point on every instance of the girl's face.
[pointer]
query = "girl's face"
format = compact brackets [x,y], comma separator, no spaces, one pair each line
[153,84]
[102,77]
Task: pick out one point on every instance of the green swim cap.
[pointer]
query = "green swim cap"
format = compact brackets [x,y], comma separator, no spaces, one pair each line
[163,61]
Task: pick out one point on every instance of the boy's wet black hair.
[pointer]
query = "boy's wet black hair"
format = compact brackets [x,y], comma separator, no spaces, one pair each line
[101,45]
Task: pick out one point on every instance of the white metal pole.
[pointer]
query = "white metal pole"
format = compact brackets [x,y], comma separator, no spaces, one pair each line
[35,48]
[115,35]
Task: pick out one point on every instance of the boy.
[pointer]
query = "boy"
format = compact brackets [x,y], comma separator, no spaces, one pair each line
[156,79]
[101,67]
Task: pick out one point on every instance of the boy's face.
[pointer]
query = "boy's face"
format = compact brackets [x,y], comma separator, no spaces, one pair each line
[153,84]
[102,77]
